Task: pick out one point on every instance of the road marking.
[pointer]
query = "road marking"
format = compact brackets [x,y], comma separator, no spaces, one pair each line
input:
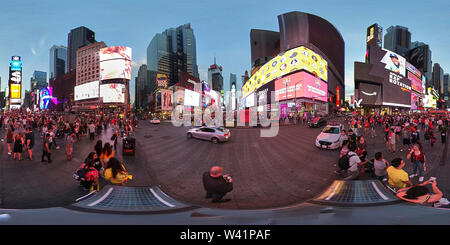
[160,199]
[334,191]
[102,198]
[379,192]
[90,193]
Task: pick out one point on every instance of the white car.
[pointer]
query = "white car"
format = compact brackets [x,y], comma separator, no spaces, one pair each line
[330,137]
[155,121]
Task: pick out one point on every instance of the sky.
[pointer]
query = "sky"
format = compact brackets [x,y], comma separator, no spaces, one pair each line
[29,28]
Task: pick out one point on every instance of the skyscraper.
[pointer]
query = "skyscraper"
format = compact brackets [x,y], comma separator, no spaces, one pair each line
[38,80]
[398,40]
[77,38]
[438,78]
[215,78]
[170,52]
[58,61]
[142,88]
[233,81]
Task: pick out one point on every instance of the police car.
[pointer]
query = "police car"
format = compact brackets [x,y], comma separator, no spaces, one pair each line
[330,137]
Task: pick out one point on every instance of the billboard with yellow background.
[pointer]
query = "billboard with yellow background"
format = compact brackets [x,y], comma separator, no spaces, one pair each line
[300,58]
[15,91]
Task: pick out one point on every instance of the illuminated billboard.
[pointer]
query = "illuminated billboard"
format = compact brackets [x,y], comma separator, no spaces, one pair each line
[191,98]
[115,52]
[416,83]
[397,91]
[369,94]
[394,62]
[161,80]
[166,100]
[16,65]
[15,92]
[301,85]
[47,97]
[115,69]
[115,63]
[112,93]
[15,77]
[87,91]
[413,70]
[300,58]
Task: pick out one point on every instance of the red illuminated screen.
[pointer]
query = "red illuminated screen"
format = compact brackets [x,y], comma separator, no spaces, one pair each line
[301,84]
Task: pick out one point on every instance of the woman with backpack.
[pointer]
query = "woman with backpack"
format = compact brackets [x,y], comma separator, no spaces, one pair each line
[418,159]
[88,175]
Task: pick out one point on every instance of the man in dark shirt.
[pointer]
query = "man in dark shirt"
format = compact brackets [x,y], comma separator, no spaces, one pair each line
[29,141]
[46,149]
[216,184]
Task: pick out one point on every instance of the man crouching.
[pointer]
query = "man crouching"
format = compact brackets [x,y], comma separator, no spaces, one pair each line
[217,185]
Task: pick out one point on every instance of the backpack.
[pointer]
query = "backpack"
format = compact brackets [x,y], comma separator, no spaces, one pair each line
[80,174]
[344,162]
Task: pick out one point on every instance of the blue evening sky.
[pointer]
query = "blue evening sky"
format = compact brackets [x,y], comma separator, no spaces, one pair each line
[222,28]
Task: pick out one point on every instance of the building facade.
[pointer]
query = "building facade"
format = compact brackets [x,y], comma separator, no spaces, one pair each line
[170,52]
[264,46]
[142,89]
[398,40]
[77,38]
[58,61]
[88,71]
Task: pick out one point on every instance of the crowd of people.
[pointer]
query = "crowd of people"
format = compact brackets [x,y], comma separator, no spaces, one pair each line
[57,130]
[413,131]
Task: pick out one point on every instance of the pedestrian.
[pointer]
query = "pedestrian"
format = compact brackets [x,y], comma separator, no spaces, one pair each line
[380,166]
[99,147]
[418,159]
[106,155]
[443,133]
[354,163]
[18,146]
[391,142]
[344,149]
[398,178]
[91,130]
[406,139]
[116,173]
[217,185]
[29,140]
[9,139]
[114,138]
[420,194]
[46,149]
[69,145]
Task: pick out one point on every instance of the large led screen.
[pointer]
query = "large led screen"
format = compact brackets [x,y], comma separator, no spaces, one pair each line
[301,84]
[396,90]
[15,77]
[118,68]
[166,100]
[300,58]
[191,98]
[115,52]
[394,62]
[16,65]
[413,70]
[15,91]
[369,94]
[416,83]
[112,93]
[415,101]
[87,91]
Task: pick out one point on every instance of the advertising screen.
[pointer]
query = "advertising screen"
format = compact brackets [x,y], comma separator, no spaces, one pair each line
[15,91]
[300,58]
[394,62]
[301,84]
[250,100]
[166,100]
[115,52]
[16,65]
[191,98]
[117,68]
[397,91]
[416,83]
[15,77]
[419,57]
[87,91]
[161,80]
[414,101]
[369,94]
[413,70]
[112,93]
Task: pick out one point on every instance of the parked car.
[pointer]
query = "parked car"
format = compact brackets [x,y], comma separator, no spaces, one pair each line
[330,137]
[155,121]
[317,122]
[213,134]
